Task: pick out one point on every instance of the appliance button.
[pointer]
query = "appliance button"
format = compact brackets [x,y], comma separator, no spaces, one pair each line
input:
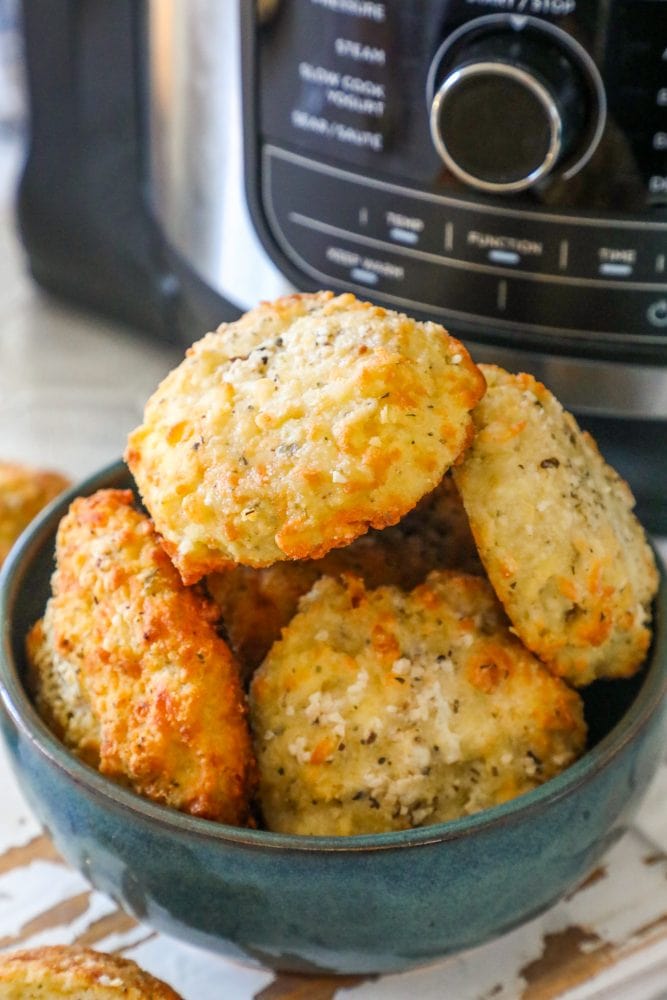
[403,236]
[403,228]
[657,313]
[511,100]
[508,244]
[364,276]
[504,257]
[657,184]
[518,132]
[616,262]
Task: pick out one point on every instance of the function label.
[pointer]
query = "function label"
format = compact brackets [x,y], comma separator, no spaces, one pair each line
[498,248]
[507,249]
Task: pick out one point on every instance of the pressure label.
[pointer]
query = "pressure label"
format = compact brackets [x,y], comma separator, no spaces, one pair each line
[367,9]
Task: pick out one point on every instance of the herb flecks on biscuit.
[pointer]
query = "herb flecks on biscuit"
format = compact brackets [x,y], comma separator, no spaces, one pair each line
[381,710]
[555,529]
[296,429]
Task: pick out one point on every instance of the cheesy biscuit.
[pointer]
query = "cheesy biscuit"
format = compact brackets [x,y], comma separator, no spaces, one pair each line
[24,491]
[381,710]
[555,530]
[128,668]
[61,972]
[257,603]
[294,430]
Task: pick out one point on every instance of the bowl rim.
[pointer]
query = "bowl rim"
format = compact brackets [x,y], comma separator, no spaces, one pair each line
[25,719]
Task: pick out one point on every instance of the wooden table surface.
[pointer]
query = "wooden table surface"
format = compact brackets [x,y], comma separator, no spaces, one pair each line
[71,386]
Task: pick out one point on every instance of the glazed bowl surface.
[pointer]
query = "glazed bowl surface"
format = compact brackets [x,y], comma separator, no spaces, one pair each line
[363,904]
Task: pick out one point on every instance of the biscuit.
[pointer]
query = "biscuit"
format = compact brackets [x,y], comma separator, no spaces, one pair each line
[58,692]
[24,491]
[294,430]
[381,710]
[555,529]
[128,669]
[59,971]
[257,603]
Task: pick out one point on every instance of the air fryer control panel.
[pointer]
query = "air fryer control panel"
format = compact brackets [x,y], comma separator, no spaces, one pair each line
[499,163]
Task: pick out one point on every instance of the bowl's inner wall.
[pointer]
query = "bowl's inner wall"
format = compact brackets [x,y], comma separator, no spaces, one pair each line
[605,702]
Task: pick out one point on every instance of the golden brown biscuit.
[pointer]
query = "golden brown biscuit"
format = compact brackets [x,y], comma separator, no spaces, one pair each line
[380,710]
[59,972]
[294,430]
[24,491]
[257,603]
[60,696]
[555,530]
[128,667]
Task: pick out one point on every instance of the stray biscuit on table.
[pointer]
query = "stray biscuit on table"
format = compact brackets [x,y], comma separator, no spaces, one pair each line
[257,603]
[59,972]
[127,667]
[24,491]
[381,710]
[295,429]
[555,529]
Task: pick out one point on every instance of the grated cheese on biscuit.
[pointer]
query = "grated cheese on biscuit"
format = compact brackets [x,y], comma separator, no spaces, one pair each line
[324,415]
[555,529]
[394,721]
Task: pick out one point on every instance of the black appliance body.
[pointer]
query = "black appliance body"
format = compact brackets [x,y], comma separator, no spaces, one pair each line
[498,165]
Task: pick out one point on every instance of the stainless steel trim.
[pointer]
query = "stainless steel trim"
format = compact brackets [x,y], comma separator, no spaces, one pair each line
[599,388]
[196,148]
[530,83]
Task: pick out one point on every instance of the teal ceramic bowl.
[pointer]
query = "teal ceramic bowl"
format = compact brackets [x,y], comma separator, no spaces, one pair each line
[364,904]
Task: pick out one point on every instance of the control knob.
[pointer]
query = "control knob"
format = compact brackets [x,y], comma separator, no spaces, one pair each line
[507,108]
